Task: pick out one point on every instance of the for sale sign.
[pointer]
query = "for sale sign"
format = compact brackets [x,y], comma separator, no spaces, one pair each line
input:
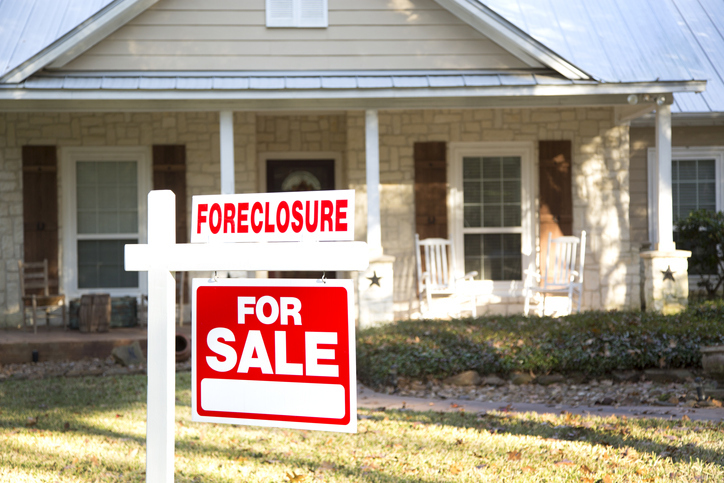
[274,353]
[293,216]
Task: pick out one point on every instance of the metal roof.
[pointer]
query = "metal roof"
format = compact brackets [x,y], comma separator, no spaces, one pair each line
[289,80]
[508,88]
[616,41]
[342,91]
[29,26]
[632,41]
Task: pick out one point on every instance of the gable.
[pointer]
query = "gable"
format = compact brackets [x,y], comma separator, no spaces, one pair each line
[230,35]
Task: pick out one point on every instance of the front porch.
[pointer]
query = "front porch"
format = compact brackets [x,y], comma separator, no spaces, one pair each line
[225,151]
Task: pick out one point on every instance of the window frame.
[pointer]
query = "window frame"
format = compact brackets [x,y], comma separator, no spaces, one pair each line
[69,242]
[688,153]
[296,20]
[455,201]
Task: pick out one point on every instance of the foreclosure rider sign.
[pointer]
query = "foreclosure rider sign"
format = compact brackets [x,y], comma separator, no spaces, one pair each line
[298,216]
[274,353]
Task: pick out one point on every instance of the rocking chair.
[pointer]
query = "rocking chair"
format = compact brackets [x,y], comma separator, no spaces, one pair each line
[439,277]
[35,293]
[563,273]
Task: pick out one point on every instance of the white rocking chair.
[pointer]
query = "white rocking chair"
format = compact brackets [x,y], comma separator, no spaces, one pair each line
[563,272]
[439,277]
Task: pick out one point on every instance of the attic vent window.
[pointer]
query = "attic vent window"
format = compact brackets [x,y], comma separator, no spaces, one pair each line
[296,13]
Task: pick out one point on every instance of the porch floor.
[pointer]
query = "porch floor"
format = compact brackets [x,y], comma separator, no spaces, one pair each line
[55,344]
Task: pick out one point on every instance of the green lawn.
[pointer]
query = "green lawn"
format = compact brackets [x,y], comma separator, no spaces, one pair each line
[93,429]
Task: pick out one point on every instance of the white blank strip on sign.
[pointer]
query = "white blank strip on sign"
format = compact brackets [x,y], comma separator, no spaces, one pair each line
[277,398]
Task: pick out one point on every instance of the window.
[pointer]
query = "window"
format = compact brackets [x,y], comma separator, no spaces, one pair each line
[491,210]
[296,13]
[693,186]
[696,182]
[104,209]
[491,196]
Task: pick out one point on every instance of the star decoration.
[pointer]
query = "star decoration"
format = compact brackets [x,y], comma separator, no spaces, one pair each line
[374,279]
[668,274]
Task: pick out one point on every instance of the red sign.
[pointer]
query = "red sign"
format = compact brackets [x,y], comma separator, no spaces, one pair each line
[291,216]
[274,352]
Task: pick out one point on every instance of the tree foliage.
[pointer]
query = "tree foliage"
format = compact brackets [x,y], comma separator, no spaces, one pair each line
[702,232]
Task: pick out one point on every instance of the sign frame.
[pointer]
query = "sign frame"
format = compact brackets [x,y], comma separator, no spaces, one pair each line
[351,400]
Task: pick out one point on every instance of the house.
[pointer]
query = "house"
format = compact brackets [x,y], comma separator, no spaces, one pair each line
[464,119]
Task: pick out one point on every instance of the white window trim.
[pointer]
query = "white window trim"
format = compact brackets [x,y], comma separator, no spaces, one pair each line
[69,157]
[296,21]
[682,153]
[457,151]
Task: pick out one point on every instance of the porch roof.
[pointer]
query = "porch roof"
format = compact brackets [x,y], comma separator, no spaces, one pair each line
[324,90]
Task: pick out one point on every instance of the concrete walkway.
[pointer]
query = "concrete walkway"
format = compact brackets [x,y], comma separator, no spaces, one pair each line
[368,399]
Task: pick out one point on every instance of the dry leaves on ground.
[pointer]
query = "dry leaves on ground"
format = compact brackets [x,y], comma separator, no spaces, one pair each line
[456,468]
[293,477]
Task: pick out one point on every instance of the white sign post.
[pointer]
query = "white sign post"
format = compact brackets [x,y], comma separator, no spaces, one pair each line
[161,256]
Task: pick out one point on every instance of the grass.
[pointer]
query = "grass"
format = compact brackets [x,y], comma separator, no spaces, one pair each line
[593,343]
[93,430]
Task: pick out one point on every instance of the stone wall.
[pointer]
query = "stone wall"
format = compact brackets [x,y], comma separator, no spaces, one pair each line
[600,174]
[199,131]
[303,133]
[600,180]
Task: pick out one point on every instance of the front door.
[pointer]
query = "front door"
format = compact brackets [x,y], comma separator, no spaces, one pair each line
[299,175]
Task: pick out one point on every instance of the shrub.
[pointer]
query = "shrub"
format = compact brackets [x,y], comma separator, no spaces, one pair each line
[702,232]
[593,342]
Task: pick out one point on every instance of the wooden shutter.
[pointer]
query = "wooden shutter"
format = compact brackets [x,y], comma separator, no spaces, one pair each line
[431,190]
[556,200]
[169,173]
[40,208]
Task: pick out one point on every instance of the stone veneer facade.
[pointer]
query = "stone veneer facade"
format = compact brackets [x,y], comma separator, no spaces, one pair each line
[600,175]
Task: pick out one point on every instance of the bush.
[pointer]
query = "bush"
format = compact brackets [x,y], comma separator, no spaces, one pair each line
[702,232]
[594,342]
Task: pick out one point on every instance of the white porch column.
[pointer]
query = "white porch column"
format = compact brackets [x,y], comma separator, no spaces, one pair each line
[372,168]
[665,269]
[375,285]
[664,204]
[226,140]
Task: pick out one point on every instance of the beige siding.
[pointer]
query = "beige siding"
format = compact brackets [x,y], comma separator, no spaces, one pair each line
[231,35]
[642,138]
